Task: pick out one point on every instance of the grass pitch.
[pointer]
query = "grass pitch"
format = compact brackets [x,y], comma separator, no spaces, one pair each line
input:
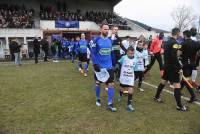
[53,98]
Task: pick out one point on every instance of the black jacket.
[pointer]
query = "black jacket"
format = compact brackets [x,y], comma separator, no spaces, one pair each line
[36,46]
[45,45]
[189,52]
[171,60]
[14,47]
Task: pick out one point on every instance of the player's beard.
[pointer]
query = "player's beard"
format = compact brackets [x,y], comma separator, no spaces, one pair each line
[105,34]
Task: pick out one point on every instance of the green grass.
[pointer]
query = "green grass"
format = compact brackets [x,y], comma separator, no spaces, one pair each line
[53,98]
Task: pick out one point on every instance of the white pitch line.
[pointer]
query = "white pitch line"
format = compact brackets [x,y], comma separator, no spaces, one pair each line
[170,92]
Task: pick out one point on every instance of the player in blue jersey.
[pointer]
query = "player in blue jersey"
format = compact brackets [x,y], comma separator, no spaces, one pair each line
[102,60]
[83,46]
[64,47]
[72,49]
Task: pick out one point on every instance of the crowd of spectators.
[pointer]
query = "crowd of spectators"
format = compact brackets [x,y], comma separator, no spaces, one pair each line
[51,13]
[15,16]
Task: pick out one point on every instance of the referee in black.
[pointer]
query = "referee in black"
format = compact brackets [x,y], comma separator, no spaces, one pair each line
[172,70]
[189,51]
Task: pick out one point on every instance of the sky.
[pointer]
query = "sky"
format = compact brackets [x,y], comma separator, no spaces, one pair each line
[155,13]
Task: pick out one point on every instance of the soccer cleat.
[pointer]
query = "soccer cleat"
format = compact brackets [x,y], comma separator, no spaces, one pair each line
[198,89]
[119,98]
[141,90]
[82,71]
[192,100]
[125,92]
[106,88]
[171,86]
[159,100]
[130,108]
[112,108]
[98,103]
[85,75]
[183,108]
[79,69]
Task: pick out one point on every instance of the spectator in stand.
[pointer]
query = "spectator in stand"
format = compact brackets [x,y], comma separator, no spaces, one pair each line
[14,16]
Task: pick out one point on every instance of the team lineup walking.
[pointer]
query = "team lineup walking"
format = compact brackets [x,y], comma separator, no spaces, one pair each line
[124,62]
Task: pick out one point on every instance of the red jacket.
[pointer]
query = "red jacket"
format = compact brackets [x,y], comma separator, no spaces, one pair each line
[156,46]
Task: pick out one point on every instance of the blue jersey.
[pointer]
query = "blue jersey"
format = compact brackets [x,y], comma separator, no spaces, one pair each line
[71,46]
[82,46]
[65,43]
[101,52]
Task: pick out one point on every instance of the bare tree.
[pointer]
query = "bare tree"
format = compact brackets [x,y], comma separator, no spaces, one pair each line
[183,17]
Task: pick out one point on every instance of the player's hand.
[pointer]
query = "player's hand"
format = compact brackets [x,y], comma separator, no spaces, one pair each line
[198,67]
[162,51]
[181,71]
[151,53]
[96,68]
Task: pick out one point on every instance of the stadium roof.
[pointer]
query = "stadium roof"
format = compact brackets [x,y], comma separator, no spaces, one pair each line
[148,28]
[114,2]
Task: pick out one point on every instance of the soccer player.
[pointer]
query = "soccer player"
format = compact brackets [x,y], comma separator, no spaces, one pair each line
[172,70]
[72,50]
[82,51]
[127,77]
[116,46]
[156,52]
[101,58]
[189,51]
[140,55]
[194,71]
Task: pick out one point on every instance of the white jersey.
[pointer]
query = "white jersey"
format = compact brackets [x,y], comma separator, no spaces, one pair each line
[194,38]
[88,53]
[127,71]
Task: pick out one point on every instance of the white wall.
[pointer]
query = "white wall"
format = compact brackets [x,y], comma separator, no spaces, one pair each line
[20,33]
[131,33]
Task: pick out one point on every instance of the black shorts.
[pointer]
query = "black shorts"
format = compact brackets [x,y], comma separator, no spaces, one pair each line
[171,76]
[125,86]
[83,57]
[110,79]
[187,70]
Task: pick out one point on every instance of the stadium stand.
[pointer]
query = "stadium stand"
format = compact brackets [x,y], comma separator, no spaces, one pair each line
[50,13]
[14,16]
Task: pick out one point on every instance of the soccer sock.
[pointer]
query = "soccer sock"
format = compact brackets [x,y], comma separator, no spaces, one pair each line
[159,90]
[177,95]
[88,63]
[130,97]
[190,90]
[194,84]
[194,75]
[72,58]
[98,91]
[182,84]
[140,82]
[111,92]
[85,67]
[120,92]
[80,64]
